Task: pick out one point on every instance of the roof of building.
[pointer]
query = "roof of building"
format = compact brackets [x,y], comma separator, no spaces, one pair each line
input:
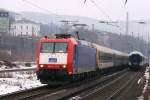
[25,21]
[3,10]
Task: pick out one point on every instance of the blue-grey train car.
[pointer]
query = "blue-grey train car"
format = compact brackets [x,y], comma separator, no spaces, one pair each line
[136,60]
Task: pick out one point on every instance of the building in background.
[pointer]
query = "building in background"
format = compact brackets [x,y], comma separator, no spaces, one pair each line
[25,28]
[4,22]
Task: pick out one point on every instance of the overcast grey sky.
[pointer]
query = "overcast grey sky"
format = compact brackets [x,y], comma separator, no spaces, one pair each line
[115,9]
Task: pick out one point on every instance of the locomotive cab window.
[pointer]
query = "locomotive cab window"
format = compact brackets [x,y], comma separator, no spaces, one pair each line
[60,47]
[47,47]
[54,47]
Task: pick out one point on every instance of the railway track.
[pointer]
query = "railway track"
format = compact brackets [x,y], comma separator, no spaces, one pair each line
[120,90]
[113,90]
[31,93]
[62,92]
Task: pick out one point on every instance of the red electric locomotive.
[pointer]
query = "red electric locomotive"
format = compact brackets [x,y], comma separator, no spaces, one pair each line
[55,59]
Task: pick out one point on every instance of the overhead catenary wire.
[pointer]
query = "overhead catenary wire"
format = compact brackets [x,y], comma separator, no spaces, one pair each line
[110,20]
[122,5]
[123,8]
[100,4]
[101,10]
[37,6]
[47,10]
[125,2]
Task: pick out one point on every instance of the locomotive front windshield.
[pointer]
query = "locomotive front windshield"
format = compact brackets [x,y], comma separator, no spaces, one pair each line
[135,58]
[54,47]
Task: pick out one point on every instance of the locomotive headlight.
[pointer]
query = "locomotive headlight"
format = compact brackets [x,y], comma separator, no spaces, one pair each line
[41,66]
[64,66]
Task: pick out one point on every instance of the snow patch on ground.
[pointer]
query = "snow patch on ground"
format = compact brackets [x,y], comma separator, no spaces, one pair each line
[141,98]
[4,89]
[139,81]
[3,67]
[17,81]
[146,76]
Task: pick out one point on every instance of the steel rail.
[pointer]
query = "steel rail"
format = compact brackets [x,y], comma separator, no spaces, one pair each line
[117,92]
[82,88]
[102,86]
[109,91]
